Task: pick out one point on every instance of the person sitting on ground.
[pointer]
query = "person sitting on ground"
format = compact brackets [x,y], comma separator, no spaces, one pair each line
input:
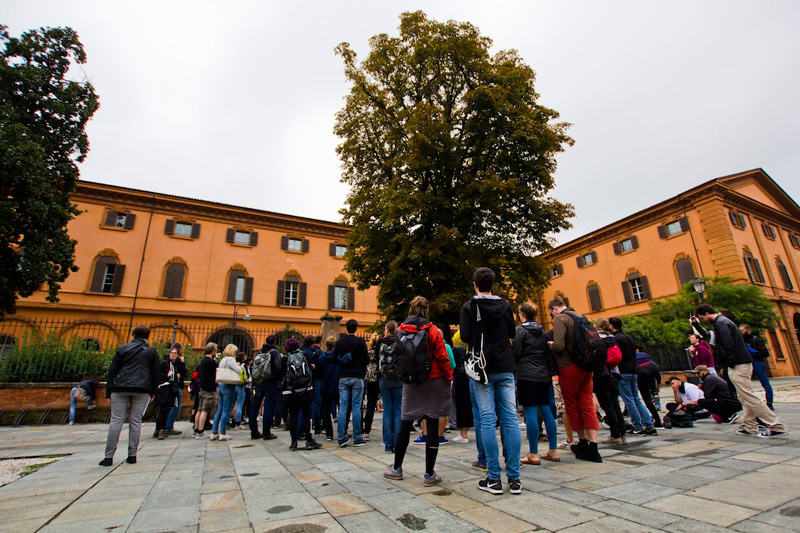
[717,398]
[686,396]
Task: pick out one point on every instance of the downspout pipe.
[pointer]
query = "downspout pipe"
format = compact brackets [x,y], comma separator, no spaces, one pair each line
[141,264]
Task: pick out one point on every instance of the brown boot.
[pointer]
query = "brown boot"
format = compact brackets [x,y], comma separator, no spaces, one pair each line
[161,434]
[551,455]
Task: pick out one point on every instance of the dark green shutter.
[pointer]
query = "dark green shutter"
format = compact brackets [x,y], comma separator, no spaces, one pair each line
[253,238]
[111,218]
[684,224]
[685,271]
[169,226]
[229,236]
[594,298]
[662,232]
[232,277]
[305,245]
[284,243]
[130,220]
[169,282]
[626,291]
[351,298]
[119,275]
[759,272]
[99,274]
[634,242]
[331,296]
[195,230]
[333,248]
[645,288]
[248,290]
[281,292]
[594,257]
[560,269]
[302,295]
[580,261]
[617,248]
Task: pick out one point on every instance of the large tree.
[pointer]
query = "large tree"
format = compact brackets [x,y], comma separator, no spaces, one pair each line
[449,159]
[43,116]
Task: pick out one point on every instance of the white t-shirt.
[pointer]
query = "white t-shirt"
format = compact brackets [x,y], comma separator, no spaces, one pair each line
[692,394]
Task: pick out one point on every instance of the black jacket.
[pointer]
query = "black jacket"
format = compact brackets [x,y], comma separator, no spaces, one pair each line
[533,358]
[729,342]
[758,345]
[357,367]
[133,369]
[90,387]
[276,362]
[628,349]
[497,324]
[716,388]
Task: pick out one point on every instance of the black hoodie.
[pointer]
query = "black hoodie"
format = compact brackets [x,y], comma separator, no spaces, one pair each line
[497,325]
[534,360]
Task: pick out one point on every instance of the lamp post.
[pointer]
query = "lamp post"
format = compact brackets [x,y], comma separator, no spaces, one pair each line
[700,288]
[233,322]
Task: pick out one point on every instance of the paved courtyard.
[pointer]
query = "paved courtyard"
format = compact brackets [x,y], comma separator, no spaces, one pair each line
[702,479]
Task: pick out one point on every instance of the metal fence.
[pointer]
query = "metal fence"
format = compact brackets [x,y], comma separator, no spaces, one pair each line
[671,359]
[68,350]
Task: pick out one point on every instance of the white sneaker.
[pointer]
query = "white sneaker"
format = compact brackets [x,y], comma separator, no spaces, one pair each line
[71,423]
[523,425]
[214,436]
[460,439]
[225,437]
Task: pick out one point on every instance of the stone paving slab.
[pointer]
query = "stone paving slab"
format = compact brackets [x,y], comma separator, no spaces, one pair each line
[705,478]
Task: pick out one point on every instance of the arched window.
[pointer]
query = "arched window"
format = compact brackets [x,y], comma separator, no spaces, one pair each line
[341,296]
[635,288]
[787,281]
[173,281]
[240,287]
[753,267]
[595,302]
[7,344]
[108,275]
[291,292]
[685,270]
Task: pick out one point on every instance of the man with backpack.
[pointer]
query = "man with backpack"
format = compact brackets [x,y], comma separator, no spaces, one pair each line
[350,354]
[487,324]
[629,384]
[297,389]
[265,373]
[576,382]
[390,384]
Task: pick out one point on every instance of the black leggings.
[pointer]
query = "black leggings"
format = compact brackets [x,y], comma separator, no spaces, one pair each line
[373,390]
[648,378]
[294,407]
[163,412]
[431,443]
[608,397]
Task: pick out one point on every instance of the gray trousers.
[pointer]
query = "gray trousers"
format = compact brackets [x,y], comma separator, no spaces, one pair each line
[119,405]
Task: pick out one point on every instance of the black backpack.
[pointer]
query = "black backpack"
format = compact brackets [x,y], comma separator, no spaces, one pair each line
[413,356]
[590,348]
[387,358]
[298,373]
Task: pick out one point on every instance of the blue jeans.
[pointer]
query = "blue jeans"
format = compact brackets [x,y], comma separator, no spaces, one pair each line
[498,397]
[227,397]
[351,393]
[316,407]
[392,403]
[175,411]
[760,370]
[476,415]
[73,403]
[240,394]
[629,390]
[268,393]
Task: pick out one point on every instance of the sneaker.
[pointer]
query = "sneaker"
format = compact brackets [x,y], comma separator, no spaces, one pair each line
[313,445]
[642,432]
[493,486]
[523,426]
[200,435]
[359,442]
[651,432]
[343,443]
[329,439]
[430,481]
[479,466]
[624,440]
[106,462]
[613,441]
[443,440]
[460,439]
[565,444]
[743,431]
[293,446]
[225,437]
[388,449]
[214,436]
[514,486]
[420,440]
[71,423]
[174,432]
[771,433]
[733,418]
[391,473]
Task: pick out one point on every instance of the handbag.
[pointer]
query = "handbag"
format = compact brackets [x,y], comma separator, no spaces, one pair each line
[80,394]
[227,376]
[475,366]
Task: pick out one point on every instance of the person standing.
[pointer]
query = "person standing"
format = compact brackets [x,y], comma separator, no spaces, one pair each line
[350,353]
[372,389]
[629,384]
[265,391]
[732,353]
[648,375]
[758,352]
[463,418]
[85,391]
[390,385]
[297,389]
[132,381]
[227,395]
[180,375]
[701,352]
[606,386]
[207,385]
[165,395]
[492,334]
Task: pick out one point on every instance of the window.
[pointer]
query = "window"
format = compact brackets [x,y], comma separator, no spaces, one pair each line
[595,301]
[587,259]
[636,288]
[291,292]
[737,219]
[685,270]
[90,345]
[776,346]
[118,219]
[7,344]
[108,276]
[753,268]
[341,296]
[173,281]
[294,244]
[338,250]
[556,270]
[626,245]
[673,228]
[240,287]
[769,231]
[787,281]
[182,229]
[247,238]
[795,240]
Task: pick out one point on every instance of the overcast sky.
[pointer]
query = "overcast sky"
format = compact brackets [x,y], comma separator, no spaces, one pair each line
[235,101]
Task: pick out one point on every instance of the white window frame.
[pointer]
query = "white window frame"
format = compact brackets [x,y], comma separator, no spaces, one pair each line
[291,293]
[183,229]
[637,289]
[588,260]
[294,245]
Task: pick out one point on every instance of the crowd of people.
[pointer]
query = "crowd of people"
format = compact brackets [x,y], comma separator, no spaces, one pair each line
[425,376]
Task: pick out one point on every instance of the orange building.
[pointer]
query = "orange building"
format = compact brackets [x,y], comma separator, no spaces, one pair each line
[743,226]
[152,258]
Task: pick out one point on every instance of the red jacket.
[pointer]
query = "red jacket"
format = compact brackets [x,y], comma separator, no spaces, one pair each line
[440,361]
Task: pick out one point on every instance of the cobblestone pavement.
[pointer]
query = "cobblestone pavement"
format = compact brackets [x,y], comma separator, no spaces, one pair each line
[705,478]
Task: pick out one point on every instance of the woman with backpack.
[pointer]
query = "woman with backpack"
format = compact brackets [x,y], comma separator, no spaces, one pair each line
[535,369]
[391,387]
[430,399]
[330,387]
[297,390]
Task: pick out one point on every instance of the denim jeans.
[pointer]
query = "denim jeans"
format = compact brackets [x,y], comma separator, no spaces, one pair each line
[498,397]
[240,394]
[175,411]
[392,402]
[629,390]
[760,370]
[227,397]
[268,394]
[476,415]
[316,407]
[351,394]
[73,403]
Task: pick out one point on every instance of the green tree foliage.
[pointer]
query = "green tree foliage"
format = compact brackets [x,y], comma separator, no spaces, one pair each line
[449,159]
[43,116]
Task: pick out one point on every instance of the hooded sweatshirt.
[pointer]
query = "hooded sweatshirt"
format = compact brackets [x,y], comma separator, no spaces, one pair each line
[497,326]
[531,353]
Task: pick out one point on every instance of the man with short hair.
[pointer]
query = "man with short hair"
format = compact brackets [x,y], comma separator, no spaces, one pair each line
[687,395]
[207,383]
[717,398]
[497,398]
[266,392]
[350,354]
[316,403]
[628,386]
[732,353]
[132,381]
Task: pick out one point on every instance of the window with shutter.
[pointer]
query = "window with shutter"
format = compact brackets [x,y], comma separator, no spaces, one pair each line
[103,277]
[685,271]
[595,302]
[626,245]
[340,295]
[784,272]
[118,276]
[637,289]
[734,218]
[117,219]
[795,240]
[303,291]
[556,270]
[293,245]
[173,281]
[169,226]
[753,267]
[236,286]
[291,291]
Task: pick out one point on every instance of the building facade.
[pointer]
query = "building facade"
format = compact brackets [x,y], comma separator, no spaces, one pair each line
[222,270]
[744,226]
